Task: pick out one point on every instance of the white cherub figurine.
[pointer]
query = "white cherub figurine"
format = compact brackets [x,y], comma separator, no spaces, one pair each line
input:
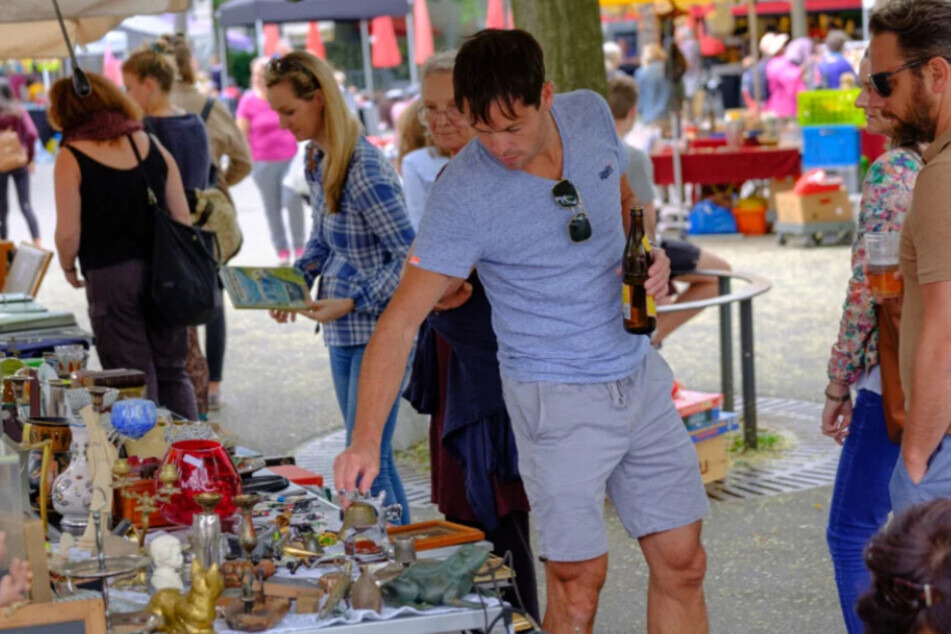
[166,554]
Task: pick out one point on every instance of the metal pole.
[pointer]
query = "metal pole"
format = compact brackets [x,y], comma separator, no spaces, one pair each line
[411,46]
[754,50]
[749,373]
[797,12]
[371,117]
[726,346]
[223,56]
[259,36]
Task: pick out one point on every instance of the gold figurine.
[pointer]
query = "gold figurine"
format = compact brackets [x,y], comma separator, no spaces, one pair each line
[194,612]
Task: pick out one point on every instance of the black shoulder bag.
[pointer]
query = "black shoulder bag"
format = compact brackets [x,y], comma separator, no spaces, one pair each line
[185,288]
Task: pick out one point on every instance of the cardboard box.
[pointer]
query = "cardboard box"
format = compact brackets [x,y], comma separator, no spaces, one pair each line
[689,403]
[713,460]
[826,207]
[777,186]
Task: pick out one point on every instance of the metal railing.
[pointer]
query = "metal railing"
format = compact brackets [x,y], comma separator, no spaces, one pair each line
[725,300]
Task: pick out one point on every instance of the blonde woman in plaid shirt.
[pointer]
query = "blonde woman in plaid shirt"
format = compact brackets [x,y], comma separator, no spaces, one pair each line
[360,237]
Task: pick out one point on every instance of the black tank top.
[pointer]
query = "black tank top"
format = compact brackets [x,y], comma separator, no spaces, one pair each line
[116,221]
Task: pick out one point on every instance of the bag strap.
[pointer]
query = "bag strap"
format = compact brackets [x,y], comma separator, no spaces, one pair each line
[206,111]
[153,199]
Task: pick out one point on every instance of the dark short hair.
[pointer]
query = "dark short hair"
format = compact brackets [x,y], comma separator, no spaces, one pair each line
[914,549]
[923,27]
[507,67]
[622,95]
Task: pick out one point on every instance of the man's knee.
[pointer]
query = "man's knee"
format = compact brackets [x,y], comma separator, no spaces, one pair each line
[681,570]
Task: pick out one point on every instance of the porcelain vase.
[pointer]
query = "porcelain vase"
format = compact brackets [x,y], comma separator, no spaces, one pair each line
[72,489]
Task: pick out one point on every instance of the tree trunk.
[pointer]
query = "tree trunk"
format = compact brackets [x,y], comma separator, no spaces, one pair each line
[570,34]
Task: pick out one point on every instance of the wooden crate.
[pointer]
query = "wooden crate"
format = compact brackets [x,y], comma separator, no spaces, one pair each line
[712,455]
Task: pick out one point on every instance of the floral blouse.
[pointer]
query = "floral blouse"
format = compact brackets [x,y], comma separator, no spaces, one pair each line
[886,198]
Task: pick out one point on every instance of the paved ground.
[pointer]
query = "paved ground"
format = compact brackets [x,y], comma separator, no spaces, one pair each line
[769,569]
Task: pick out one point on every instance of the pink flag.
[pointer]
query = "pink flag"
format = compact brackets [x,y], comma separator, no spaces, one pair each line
[386,52]
[424,32]
[111,67]
[315,44]
[509,20]
[272,39]
[495,16]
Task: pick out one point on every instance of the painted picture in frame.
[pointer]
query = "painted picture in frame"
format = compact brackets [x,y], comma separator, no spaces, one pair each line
[252,287]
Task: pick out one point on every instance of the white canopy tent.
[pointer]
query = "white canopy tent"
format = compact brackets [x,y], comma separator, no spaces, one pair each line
[28,28]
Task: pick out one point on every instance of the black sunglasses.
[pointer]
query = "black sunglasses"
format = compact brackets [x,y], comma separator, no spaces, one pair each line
[567,197]
[880,83]
[281,65]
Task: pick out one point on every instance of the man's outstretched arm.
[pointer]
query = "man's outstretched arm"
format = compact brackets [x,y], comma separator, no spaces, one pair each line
[384,364]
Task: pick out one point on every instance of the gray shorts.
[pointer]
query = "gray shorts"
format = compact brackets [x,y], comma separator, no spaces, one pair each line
[936,483]
[576,440]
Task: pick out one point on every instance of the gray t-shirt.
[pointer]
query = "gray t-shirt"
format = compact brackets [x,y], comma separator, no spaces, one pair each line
[640,174]
[556,305]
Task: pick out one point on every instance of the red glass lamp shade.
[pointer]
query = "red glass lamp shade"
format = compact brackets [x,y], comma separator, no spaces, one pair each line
[205,467]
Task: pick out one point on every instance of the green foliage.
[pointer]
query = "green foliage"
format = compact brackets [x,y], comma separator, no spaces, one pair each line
[768,441]
[239,67]
[471,9]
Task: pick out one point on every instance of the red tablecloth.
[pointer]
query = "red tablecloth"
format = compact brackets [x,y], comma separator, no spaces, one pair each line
[712,167]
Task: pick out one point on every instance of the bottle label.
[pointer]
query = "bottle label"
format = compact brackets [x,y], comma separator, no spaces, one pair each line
[651,307]
[626,300]
[647,244]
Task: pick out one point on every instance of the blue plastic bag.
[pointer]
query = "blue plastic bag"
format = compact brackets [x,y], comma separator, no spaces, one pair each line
[707,217]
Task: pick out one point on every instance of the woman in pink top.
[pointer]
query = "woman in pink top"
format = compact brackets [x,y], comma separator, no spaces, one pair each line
[272,150]
[784,74]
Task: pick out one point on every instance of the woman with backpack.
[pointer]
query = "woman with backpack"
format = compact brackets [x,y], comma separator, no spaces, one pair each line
[148,75]
[105,219]
[17,140]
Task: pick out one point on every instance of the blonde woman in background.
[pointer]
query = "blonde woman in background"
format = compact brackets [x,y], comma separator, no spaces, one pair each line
[360,238]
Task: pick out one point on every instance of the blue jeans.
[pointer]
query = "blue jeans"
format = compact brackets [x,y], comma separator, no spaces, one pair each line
[345,362]
[860,501]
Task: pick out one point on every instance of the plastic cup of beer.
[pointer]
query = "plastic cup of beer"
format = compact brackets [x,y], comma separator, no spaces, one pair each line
[881,249]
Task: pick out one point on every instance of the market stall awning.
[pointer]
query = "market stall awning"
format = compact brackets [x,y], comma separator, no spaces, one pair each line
[813,6]
[38,10]
[28,28]
[246,12]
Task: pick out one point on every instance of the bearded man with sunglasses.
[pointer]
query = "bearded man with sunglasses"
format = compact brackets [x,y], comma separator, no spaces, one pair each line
[911,76]
[534,203]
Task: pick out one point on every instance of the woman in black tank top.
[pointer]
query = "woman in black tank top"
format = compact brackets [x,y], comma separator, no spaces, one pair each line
[103,218]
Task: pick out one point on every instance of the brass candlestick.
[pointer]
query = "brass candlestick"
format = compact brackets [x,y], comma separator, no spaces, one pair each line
[246,533]
[146,503]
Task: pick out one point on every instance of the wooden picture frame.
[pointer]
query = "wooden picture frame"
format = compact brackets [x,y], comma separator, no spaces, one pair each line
[27,270]
[437,534]
[90,612]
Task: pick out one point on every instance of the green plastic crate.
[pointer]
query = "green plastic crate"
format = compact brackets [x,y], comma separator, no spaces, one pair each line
[830,107]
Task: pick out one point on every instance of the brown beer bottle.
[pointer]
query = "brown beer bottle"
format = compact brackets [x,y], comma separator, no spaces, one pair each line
[640,314]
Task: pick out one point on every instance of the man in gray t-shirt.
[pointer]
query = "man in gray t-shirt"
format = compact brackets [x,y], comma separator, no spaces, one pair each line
[535,204]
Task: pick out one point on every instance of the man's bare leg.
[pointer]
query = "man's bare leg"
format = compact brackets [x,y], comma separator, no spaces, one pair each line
[573,589]
[677,565]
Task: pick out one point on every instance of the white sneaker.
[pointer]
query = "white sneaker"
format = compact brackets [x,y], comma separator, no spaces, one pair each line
[214,402]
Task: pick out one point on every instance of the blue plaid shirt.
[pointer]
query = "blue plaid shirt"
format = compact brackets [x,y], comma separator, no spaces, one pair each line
[359,251]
